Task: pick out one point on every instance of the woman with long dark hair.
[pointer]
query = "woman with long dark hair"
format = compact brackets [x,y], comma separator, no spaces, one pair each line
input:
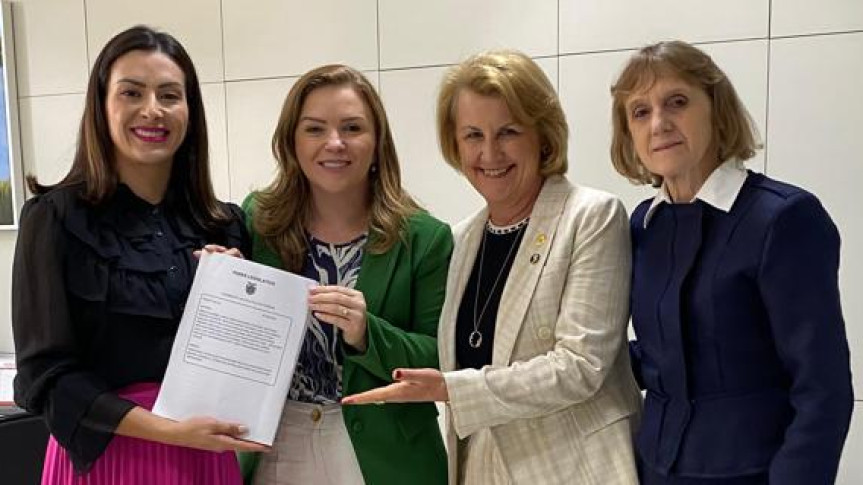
[103,266]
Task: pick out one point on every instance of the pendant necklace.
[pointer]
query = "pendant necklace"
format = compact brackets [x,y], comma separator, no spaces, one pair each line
[475,337]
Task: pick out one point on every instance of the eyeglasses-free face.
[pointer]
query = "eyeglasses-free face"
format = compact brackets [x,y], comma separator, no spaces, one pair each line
[672,131]
[146,109]
[499,156]
[335,141]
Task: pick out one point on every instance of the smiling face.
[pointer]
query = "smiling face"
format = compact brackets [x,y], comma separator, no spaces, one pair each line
[672,131]
[146,110]
[335,141]
[499,156]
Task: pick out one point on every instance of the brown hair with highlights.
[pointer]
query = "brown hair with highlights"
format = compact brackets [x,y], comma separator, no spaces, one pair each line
[283,209]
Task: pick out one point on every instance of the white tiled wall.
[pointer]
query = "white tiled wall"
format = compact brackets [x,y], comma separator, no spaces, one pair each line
[816,140]
[49,128]
[51,47]
[851,466]
[598,25]
[197,24]
[272,38]
[796,17]
[217,129]
[797,64]
[445,31]
[252,113]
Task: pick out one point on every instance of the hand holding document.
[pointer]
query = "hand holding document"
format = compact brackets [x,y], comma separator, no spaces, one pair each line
[237,345]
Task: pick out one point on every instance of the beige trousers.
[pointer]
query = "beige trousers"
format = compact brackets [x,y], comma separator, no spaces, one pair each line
[312,446]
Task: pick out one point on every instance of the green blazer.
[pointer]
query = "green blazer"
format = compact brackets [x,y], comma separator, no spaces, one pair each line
[404,291]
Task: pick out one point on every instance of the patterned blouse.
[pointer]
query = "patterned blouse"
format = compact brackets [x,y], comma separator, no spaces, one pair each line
[318,375]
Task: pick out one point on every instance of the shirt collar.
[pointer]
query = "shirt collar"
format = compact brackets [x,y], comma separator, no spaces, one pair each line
[719,190]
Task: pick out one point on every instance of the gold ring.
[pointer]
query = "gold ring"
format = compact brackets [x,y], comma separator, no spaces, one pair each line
[344,311]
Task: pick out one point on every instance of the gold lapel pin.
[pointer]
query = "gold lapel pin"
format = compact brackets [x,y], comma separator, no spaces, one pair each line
[540,239]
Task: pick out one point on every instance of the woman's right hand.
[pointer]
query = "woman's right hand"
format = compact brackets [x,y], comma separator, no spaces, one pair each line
[212,435]
[199,432]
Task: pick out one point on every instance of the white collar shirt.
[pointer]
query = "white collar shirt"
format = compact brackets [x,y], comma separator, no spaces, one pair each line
[719,190]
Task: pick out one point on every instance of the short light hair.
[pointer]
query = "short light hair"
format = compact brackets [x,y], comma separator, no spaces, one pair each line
[734,133]
[527,92]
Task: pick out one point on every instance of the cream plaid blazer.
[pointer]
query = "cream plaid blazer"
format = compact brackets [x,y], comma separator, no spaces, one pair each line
[559,399]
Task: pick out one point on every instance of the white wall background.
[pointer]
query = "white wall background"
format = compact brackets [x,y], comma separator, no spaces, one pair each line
[798,65]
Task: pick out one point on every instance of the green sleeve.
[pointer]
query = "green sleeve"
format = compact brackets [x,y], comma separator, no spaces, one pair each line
[249,209]
[391,347]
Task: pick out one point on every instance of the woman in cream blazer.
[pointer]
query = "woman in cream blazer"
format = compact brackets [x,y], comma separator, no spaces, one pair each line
[534,366]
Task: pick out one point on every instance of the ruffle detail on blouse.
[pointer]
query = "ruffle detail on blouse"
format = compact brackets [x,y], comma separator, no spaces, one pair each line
[112,258]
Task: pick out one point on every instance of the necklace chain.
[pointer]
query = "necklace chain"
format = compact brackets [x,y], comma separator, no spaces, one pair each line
[475,337]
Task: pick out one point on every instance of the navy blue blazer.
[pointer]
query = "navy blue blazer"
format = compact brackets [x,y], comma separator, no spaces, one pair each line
[740,338]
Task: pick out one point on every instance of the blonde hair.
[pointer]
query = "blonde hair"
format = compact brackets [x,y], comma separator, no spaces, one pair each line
[283,209]
[734,133]
[527,92]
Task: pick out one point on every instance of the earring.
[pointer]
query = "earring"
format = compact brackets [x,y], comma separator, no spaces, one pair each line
[374,168]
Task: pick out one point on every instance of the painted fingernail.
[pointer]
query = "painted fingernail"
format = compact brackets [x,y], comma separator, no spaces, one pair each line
[397,374]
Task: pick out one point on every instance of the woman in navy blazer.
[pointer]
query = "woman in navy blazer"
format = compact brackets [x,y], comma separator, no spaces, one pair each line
[735,302]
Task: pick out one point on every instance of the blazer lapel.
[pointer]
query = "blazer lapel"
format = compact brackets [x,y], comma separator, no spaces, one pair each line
[376,272]
[468,236]
[527,266]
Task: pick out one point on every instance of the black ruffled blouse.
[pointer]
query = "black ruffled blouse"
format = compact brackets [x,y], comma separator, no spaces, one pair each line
[97,295]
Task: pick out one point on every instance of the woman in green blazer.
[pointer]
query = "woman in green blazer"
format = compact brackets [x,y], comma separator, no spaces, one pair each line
[337,213]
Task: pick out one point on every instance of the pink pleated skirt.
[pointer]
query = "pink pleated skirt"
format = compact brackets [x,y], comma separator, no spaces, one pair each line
[132,461]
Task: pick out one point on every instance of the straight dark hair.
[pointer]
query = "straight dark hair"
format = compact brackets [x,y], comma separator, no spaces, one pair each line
[190,190]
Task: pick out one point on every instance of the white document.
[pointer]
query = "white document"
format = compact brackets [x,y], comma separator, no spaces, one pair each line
[7,377]
[237,345]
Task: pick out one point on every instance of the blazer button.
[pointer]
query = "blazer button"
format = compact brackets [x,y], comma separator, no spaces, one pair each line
[544,333]
[357,426]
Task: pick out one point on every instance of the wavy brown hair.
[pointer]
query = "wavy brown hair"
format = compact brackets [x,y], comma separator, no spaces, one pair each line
[527,92]
[190,190]
[734,133]
[283,210]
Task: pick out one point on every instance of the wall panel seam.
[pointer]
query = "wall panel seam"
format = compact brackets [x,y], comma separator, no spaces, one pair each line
[226,133]
[816,34]
[626,49]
